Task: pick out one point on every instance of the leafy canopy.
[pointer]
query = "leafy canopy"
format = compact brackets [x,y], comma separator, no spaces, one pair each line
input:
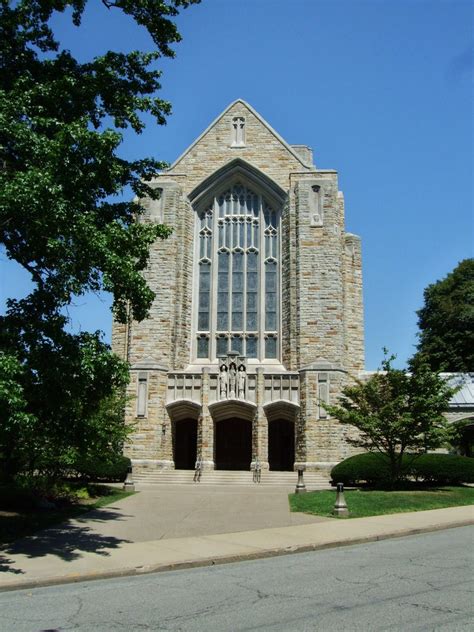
[396,412]
[446,321]
[62,220]
[60,162]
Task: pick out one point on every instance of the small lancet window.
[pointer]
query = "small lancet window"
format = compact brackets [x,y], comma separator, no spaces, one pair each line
[323,394]
[316,209]
[142,394]
[238,131]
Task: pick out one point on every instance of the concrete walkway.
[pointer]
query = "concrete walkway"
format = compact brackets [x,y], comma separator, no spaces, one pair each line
[109,542]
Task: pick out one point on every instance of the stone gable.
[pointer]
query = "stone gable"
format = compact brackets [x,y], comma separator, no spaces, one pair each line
[263,148]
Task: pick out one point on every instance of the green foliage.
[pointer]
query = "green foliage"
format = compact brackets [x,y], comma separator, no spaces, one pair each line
[62,166]
[74,395]
[16,425]
[397,412]
[443,469]
[370,467]
[96,469]
[433,469]
[446,321]
[62,220]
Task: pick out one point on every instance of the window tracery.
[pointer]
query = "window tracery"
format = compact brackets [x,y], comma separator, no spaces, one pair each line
[238,286]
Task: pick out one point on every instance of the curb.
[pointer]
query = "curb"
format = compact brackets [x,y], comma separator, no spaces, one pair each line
[225,559]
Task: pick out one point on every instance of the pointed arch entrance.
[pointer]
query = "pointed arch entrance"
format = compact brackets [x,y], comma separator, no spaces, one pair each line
[233,444]
[185,444]
[282,415]
[281,445]
[233,421]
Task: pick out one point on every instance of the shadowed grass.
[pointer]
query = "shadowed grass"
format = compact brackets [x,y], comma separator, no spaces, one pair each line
[362,503]
[20,517]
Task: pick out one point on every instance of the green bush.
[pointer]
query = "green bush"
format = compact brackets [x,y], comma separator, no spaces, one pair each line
[103,470]
[447,469]
[370,467]
[432,469]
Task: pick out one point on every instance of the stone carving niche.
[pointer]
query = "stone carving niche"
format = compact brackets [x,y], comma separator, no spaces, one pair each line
[232,382]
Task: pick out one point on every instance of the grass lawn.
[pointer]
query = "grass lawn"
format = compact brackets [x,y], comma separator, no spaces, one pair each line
[363,503]
[19,517]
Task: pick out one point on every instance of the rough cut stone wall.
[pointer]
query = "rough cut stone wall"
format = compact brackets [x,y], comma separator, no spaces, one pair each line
[262,150]
[181,338]
[353,304]
[289,285]
[148,441]
[319,275]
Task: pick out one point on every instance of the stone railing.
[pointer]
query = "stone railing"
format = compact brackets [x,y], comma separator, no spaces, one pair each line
[276,387]
[282,386]
[184,386]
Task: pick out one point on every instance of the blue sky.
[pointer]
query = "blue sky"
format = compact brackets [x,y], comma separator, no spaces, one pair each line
[382,91]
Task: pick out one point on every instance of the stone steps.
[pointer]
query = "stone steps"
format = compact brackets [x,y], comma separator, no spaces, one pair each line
[313,480]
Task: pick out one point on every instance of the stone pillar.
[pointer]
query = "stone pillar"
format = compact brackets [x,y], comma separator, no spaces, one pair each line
[205,447]
[164,427]
[260,424]
[306,417]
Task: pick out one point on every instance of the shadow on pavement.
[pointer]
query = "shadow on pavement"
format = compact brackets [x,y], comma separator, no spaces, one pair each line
[5,566]
[68,540]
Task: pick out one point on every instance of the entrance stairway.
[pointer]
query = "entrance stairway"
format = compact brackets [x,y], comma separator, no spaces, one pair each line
[313,480]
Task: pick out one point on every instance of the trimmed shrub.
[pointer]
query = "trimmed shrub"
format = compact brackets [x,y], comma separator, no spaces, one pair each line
[443,469]
[432,469]
[102,470]
[370,467]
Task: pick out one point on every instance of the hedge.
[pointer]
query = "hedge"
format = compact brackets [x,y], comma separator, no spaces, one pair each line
[373,469]
[443,468]
[100,470]
[369,467]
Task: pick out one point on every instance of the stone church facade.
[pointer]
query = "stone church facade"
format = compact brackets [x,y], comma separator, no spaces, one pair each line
[258,315]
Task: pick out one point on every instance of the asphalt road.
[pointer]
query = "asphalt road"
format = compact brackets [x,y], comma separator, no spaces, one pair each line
[422,582]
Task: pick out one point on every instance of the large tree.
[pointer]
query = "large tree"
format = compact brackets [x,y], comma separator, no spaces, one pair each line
[396,412]
[446,321]
[61,217]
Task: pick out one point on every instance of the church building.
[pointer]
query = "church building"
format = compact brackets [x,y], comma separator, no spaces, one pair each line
[258,315]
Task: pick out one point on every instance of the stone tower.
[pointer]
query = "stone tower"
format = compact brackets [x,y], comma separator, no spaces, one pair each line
[258,315]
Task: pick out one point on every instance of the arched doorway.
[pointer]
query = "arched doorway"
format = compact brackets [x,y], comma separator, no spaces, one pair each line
[281,445]
[185,444]
[233,444]
[466,438]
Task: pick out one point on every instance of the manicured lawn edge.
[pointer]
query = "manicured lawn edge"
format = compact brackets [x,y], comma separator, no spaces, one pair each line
[364,503]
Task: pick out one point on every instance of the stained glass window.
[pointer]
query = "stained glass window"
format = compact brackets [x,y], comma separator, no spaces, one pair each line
[238,278]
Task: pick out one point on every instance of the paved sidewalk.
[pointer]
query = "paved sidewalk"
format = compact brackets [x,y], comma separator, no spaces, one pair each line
[107,556]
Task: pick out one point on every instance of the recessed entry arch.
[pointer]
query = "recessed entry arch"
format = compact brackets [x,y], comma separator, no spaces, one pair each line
[185,443]
[233,444]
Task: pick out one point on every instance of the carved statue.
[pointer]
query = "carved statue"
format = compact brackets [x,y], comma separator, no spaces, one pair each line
[241,379]
[223,382]
[232,379]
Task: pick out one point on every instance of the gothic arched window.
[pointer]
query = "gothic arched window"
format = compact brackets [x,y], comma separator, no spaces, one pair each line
[238,235]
